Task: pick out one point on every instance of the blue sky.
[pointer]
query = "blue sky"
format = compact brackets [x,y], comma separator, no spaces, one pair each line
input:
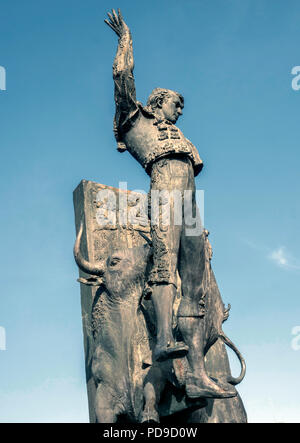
[232,61]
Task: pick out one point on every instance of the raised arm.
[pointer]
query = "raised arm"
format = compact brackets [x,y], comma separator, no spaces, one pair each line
[125,95]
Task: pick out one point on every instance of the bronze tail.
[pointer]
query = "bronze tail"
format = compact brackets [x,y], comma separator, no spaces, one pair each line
[235,380]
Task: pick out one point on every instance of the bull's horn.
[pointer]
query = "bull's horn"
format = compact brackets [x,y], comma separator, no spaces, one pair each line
[83,264]
[145,237]
[230,379]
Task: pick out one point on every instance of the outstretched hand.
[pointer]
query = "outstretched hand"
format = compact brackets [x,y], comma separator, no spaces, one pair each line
[116,23]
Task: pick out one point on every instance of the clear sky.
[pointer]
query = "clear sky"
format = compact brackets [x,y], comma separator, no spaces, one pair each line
[232,61]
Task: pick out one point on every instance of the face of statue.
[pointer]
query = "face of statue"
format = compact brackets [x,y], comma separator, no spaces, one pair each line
[171,108]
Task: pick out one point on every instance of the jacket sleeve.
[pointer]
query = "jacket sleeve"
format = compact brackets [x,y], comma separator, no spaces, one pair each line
[125,93]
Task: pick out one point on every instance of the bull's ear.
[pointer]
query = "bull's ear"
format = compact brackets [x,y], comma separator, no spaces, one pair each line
[91,281]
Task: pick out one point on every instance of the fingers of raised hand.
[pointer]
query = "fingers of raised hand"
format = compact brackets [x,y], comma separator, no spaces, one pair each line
[116,22]
[116,18]
[113,22]
[120,15]
[112,27]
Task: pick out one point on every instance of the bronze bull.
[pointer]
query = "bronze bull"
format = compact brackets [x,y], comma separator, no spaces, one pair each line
[129,382]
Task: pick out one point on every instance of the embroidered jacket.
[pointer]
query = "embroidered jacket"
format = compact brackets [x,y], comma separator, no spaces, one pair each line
[136,127]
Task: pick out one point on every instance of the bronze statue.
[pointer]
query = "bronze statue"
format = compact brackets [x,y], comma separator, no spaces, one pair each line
[152,312]
[172,162]
[127,380]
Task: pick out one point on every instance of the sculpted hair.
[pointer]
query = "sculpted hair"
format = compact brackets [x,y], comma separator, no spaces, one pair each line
[159,95]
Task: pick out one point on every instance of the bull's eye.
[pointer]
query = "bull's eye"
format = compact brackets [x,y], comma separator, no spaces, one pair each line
[114,261]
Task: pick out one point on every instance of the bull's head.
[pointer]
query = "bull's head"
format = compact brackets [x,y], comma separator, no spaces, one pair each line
[120,272]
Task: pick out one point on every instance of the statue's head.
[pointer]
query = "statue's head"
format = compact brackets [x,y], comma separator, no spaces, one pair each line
[166,104]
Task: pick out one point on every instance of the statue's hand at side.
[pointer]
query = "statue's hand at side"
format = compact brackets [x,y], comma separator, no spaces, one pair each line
[117,24]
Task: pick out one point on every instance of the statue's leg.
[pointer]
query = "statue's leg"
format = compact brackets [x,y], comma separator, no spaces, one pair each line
[105,405]
[226,410]
[194,322]
[163,298]
[166,239]
[198,383]
[153,387]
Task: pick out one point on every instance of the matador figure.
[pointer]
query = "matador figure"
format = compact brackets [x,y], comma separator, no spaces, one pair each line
[172,161]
